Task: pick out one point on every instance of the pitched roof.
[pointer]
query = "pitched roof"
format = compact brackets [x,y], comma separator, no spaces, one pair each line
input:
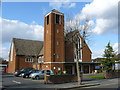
[28,47]
[54,10]
[70,34]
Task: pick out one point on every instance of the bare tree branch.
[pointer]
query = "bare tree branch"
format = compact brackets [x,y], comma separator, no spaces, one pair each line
[78,31]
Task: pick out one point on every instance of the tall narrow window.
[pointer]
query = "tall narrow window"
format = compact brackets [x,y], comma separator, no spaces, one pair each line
[57,57]
[57,30]
[47,31]
[47,19]
[57,43]
[57,19]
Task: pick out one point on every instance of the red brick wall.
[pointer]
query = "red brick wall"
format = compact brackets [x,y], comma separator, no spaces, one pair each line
[69,52]
[86,54]
[59,37]
[47,41]
[52,65]
[48,66]
[22,64]
[12,64]
[51,38]
[60,78]
[57,65]
[18,63]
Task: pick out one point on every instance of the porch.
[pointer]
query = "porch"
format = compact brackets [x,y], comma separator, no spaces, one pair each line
[85,67]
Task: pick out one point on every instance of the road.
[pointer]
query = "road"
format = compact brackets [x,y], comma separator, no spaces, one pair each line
[105,84]
[9,81]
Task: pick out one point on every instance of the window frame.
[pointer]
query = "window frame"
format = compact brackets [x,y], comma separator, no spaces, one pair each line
[29,59]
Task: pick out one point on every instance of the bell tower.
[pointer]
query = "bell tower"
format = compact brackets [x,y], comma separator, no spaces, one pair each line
[54,37]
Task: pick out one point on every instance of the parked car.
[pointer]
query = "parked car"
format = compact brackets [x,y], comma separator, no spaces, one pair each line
[26,71]
[40,74]
[19,72]
[26,74]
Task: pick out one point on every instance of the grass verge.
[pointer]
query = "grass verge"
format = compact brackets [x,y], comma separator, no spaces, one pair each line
[96,76]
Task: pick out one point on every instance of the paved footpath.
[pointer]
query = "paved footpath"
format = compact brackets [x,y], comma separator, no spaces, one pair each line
[9,81]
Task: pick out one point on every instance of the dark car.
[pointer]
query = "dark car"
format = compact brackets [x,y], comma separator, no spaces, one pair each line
[26,74]
[18,72]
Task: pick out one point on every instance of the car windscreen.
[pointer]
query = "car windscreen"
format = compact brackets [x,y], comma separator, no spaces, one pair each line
[22,70]
[38,71]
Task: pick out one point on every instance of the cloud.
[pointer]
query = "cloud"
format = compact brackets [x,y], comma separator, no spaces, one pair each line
[116,47]
[97,54]
[1,51]
[16,29]
[5,53]
[104,14]
[57,4]
[71,5]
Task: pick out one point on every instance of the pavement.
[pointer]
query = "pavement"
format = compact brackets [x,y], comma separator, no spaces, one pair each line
[9,81]
[75,85]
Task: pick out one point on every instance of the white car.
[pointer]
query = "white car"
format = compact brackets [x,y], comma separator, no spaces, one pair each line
[40,74]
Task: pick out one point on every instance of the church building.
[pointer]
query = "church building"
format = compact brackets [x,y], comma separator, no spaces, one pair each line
[55,52]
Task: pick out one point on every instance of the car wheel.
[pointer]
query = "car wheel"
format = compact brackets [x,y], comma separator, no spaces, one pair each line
[37,77]
[16,75]
[32,78]
[27,76]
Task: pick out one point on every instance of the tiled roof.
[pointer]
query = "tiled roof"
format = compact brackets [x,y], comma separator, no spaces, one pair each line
[28,47]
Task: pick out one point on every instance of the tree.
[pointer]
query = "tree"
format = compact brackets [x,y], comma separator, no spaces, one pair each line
[79,31]
[109,60]
[3,61]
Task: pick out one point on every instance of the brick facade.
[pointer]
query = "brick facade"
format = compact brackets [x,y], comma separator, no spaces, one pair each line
[86,53]
[54,41]
[51,37]
[58,54]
